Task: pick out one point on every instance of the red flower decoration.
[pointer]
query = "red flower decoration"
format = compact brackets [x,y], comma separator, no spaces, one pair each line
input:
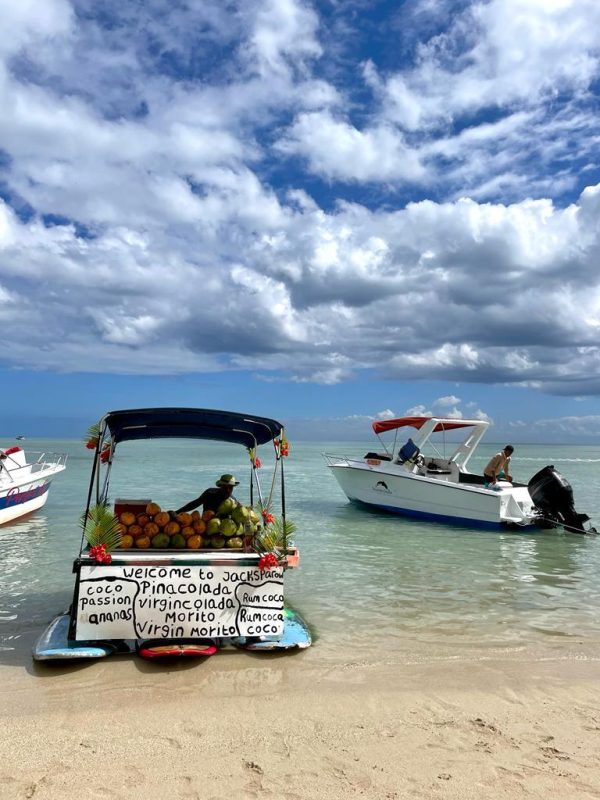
[257,463]
[91,444]
[267,516]
[105,454]
[283,446]
[98,552]
[267,561]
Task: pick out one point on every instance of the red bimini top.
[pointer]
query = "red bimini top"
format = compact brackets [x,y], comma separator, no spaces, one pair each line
[383,425]
[11,450]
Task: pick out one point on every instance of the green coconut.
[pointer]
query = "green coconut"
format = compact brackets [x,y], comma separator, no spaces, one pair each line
[213,526]
[217,541]
[178,541]
[226,507]
[235,542]
[240,514]
[160,541]
[228,527]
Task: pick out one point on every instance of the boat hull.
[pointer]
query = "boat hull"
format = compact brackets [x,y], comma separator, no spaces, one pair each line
[425,498]
[21,500]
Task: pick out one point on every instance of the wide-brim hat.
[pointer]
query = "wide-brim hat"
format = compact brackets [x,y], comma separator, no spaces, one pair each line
[227,480]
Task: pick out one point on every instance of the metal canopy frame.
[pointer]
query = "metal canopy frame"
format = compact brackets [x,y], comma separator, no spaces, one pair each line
[134,424]
[190,423]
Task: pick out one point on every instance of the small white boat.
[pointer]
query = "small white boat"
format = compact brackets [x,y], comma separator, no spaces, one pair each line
[416,478]
[25,480]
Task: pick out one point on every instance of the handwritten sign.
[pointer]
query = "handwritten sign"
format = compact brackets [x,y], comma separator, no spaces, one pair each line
[170,602]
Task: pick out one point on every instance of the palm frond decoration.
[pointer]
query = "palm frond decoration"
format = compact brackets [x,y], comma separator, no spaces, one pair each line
[275,537]
[92,437]
[100,526]
[93,432]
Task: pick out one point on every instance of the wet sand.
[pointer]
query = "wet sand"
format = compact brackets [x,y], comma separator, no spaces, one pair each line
[303,727]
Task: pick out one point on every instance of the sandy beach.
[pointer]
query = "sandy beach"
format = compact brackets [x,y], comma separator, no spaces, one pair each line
[300,727]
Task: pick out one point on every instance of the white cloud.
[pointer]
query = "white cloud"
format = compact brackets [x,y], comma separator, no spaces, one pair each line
[285,32]
[336,149]
[418,411]
[572,425]
[447,400]
[510,51]
[488,103]
[327,295]
[188,245]
[30,22]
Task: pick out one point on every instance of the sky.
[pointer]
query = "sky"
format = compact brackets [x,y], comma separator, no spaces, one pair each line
[326,212]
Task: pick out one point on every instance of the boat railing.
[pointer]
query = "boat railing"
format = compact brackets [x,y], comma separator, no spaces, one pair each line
[336,461]
[44,461]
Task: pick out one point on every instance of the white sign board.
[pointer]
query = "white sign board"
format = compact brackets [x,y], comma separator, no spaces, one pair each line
[170,602]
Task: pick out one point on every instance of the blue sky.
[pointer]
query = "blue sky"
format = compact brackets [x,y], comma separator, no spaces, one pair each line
[327,212]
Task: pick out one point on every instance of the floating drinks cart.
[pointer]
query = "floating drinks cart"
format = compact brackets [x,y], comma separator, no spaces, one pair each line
[203,594]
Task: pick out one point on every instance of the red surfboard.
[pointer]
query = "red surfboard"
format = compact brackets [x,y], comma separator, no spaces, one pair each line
[160,648]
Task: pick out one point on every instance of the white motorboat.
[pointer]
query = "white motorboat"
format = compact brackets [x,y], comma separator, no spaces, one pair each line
[415,477]
[25,480]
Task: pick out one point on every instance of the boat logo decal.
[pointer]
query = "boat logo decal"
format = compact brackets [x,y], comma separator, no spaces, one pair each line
[381,486]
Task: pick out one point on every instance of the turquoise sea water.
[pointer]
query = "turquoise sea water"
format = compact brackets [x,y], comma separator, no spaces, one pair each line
[366,579]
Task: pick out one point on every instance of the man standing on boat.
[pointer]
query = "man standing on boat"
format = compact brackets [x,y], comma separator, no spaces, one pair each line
[498,465]
[211,498]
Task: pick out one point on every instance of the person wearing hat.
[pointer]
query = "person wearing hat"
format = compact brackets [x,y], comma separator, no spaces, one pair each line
[211,498]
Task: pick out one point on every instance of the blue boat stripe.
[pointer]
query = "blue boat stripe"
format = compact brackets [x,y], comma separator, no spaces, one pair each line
[16,497]
[472,523]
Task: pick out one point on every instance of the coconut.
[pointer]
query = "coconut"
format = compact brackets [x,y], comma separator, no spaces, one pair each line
[178,541]
[228,527]
[213,526]
[143,542]
[235,543]
[194,542]
[171,528]
[240,514]
[162,519]
[161,540]
[151,529]
[226,507]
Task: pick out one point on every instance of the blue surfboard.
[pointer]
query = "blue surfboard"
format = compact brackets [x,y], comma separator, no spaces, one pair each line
[295,635]
[54,645]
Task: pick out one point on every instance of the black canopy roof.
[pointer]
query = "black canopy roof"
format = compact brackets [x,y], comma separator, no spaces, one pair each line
[191,423]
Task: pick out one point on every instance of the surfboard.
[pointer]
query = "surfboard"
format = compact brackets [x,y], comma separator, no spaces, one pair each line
[295,635]
[54,645]
[161,648]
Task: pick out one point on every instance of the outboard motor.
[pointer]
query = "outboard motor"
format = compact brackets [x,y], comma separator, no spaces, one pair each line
[553,496]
